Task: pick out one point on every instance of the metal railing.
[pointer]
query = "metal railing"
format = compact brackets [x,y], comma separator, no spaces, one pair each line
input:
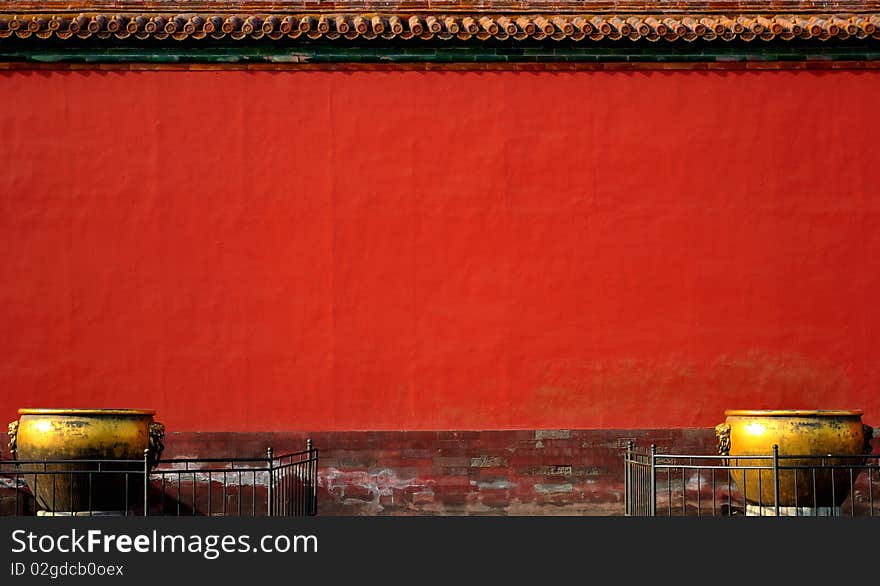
[762,485]
[284,485]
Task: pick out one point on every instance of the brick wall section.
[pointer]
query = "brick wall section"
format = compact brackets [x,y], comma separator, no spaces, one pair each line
[523,472]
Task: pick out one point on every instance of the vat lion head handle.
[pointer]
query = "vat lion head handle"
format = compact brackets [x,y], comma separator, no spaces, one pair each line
[722,433]
[157,445]
[13,434]
[869,433]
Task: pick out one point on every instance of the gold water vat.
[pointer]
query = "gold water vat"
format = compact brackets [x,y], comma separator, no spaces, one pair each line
[78,435]
[819,433]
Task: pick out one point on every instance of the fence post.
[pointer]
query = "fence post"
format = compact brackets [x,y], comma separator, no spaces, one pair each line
[627,481]
[146,481]
[270,485]
[653,502]
[776,479]
[313,478]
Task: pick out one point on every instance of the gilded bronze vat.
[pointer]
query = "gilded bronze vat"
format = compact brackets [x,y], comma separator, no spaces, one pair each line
[80,435]
[820,433]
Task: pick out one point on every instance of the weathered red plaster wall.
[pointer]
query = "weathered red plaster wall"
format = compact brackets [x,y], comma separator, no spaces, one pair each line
[439,250]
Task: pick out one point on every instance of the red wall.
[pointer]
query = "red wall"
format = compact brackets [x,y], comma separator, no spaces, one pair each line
[428,250]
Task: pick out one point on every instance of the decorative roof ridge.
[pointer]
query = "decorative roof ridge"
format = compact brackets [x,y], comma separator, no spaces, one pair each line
[449,6]
[406,25]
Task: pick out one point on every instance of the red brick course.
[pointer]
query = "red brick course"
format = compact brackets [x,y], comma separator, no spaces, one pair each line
[521,472]
[517,472]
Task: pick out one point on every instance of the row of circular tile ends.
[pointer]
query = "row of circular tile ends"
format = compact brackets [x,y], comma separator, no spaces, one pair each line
[371,26]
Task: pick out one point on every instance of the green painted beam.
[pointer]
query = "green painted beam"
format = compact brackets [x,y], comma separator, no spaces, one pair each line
[410,52]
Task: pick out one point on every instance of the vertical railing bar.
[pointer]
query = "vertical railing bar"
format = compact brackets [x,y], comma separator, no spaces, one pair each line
[815,502]
[271,482]
[636,477]
[146,482]
[699,495]
[626,483]
[833,496]
[684,492]
[640,503]
[640,500]
[210,494]
[70,491]
[714,513]
[293,492]
[852,494]
[729,496]
[315,482]
[653,500]
[760,491]
[776,479]
[626,480]
[311,504]
[635,484]
[642,488]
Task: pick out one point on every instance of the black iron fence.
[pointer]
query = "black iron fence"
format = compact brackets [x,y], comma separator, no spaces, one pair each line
[284,485]
[761,485]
